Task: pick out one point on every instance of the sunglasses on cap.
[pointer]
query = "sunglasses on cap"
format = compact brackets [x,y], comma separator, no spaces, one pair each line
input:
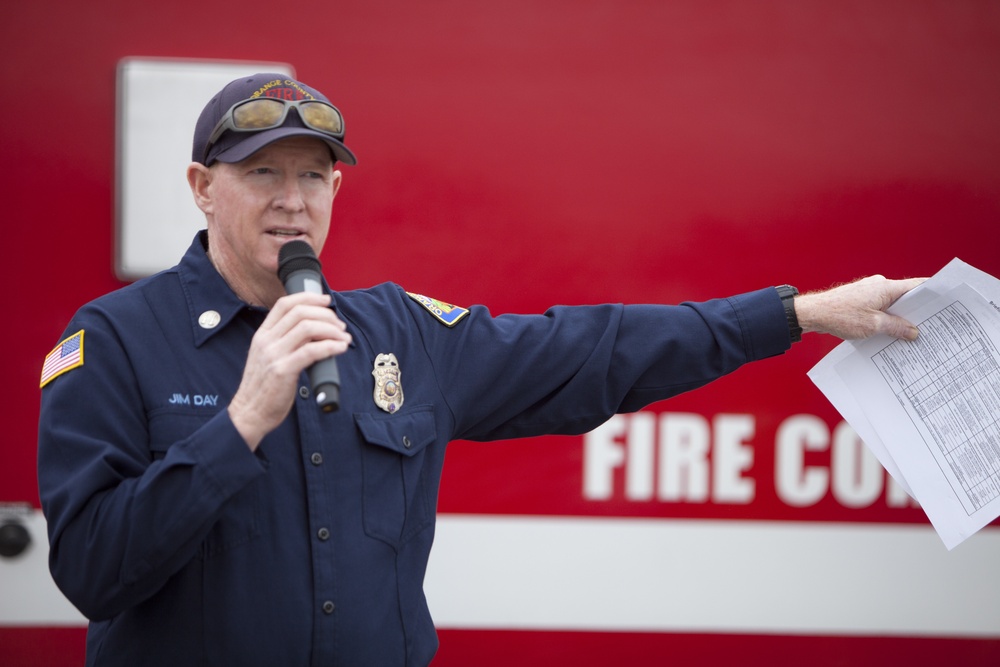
[265,113]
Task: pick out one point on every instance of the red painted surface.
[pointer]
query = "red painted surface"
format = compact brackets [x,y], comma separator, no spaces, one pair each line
[51,647]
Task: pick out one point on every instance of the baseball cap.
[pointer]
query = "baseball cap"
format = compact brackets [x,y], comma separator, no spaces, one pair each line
[234,146]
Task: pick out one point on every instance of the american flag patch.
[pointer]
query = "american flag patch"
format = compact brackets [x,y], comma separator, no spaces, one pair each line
[66,356]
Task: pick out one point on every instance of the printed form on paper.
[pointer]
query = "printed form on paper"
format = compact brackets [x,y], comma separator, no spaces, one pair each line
[929,409]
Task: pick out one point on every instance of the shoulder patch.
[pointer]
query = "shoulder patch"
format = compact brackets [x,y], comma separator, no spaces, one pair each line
[66,356]
[445,313]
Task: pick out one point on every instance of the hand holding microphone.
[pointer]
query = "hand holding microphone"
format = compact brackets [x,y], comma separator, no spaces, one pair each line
[300,332]
[300,271]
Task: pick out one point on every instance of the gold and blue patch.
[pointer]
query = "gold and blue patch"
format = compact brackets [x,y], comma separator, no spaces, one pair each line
[445,313]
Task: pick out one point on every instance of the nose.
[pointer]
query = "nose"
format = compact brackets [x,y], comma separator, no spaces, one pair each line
[289,196]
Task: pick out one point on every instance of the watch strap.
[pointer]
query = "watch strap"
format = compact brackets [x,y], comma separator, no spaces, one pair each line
[788,294]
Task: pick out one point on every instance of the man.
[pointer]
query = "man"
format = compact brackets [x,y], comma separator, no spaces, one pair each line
[202,509]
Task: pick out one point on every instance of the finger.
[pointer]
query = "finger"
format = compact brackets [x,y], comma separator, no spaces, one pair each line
[290,300]
[309,353]
[310,330]
[308,341]
[287,304]
[279,323]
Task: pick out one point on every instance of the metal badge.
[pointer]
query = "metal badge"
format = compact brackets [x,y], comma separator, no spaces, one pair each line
[388,389]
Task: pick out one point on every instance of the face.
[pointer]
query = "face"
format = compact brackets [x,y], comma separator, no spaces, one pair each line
[281,193]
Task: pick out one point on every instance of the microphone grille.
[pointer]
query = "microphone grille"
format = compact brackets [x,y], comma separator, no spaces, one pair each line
[296,256]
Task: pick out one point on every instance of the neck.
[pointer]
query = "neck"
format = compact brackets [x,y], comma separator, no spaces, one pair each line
[264,292]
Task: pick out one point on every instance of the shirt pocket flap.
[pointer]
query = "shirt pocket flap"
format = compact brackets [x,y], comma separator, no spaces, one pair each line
[168,427]
[405,434]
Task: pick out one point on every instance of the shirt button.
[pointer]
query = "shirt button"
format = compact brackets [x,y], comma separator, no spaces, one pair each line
[323,534]
[327,607]
[304,391]
[316,458]
[406,442]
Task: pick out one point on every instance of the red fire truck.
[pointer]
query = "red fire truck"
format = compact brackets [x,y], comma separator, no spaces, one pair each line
[524,154]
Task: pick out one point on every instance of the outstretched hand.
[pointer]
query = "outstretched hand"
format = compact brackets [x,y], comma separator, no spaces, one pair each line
[857,310]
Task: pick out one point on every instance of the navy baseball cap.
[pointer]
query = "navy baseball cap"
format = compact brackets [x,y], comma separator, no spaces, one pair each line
[232,145]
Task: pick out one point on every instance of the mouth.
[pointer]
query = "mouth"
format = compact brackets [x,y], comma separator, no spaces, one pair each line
[286,233]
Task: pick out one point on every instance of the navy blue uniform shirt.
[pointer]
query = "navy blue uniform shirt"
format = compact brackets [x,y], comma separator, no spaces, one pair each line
[183,547]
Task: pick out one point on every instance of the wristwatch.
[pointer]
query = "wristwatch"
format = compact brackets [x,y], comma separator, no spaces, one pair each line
[788,294]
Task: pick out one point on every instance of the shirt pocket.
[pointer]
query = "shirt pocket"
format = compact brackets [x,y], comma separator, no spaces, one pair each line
[240,518]
[399,473]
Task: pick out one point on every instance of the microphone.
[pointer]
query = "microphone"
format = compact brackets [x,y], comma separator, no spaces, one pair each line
[300,271]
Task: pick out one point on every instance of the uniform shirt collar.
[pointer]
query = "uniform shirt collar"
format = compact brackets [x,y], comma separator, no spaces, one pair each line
[211,302]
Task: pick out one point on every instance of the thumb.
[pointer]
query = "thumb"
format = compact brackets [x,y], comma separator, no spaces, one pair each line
[897,327]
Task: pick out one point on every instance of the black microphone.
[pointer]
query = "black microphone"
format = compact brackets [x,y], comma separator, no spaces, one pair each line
[300,271]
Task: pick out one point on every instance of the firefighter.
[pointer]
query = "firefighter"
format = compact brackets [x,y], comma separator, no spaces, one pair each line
[203,510]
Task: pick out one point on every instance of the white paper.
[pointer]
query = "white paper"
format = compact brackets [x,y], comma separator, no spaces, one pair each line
[929,409]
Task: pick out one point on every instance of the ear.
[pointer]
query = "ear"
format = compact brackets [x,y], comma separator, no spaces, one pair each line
[337,179]
[199,179]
